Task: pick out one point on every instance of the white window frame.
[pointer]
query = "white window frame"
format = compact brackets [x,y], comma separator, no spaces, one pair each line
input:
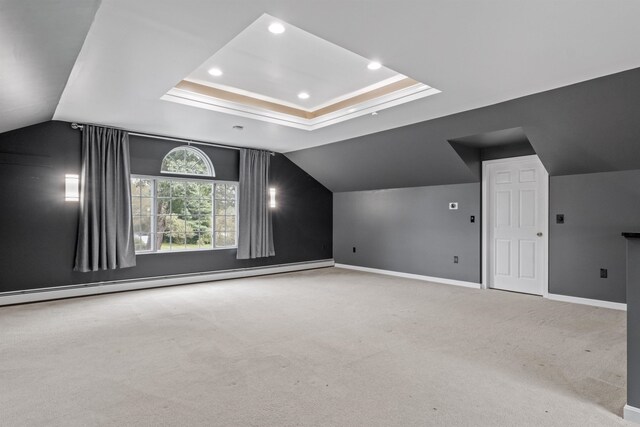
[201,154]
[154,197]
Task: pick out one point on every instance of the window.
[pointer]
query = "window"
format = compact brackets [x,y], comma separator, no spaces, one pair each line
[182,214]
[175,214]
[187,161]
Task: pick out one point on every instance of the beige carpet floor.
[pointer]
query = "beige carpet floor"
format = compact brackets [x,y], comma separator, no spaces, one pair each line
[327,347]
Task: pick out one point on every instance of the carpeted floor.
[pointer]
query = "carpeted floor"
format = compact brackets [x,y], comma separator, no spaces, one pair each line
[326,347]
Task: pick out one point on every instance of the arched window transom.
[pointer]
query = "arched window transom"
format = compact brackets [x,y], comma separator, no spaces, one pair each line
[187,160]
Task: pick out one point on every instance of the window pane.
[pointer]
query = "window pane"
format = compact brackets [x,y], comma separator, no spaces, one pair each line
[135,206]
[136,224]
[231,239]
[205,221]
[164,188]
[140,244]
[220,191]
[142,241]
[187,160]
[163,206]
[173,162]
[195,164]
[178,241]
[231,191]
[220,240]
[202,243]
[177,189]
[221,207]
[177,206]
[205,239]
[183,215]
[231,207]
[145,187]
[145,206]
[142,224]
[191,190]
[231,223]
[162,222]
[220,223]
[206,207]
[205,190]
[163,241]
[135,187]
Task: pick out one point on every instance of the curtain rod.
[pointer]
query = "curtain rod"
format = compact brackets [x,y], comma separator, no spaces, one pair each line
[167,138]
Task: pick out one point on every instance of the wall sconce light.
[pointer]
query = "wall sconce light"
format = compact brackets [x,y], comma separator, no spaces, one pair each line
[71,188]
[272,197]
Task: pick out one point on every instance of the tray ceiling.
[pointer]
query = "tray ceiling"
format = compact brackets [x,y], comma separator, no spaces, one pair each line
[292,78]
[476,53]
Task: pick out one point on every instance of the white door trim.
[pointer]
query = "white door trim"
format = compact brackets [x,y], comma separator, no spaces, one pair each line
[485,222]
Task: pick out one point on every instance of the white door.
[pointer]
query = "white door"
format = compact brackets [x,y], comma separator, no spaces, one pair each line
[516,211]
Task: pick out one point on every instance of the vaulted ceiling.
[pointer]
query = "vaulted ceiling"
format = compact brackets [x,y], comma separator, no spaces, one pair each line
[478,53]
[500,64]
[39,44]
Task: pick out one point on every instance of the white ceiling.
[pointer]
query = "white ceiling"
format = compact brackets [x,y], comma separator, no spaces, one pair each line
[477,52]
[39,43]
[279,66]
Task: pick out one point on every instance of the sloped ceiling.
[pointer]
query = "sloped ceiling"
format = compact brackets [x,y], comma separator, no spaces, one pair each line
[477,53]
[39,44]
[493,60]
[588,127]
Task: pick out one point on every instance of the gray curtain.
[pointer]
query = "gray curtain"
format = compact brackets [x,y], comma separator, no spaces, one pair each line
[105,230]
[255,229]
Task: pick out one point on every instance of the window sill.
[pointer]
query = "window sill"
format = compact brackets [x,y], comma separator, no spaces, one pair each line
[187,251]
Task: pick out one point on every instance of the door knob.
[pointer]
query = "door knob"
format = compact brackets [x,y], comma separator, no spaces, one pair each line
[539,234]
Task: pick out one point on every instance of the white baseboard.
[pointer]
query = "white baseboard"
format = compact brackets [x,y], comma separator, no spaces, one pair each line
[631,413]
[411,276]
[587,301]
[44,294]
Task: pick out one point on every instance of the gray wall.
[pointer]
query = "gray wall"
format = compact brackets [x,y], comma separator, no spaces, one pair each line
[597,208]
[38,227]
[410,230]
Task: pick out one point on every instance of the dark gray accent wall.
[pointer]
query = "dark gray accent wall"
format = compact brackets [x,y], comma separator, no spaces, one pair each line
[410,230]
[38,227]
[587,127]
[597,208]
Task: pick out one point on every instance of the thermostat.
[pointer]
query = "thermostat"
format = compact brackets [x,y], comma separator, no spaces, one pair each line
[453,205]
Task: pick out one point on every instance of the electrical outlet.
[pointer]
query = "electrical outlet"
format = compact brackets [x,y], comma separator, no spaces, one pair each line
[560,219]
[455,259]
[603,273]
[354,249]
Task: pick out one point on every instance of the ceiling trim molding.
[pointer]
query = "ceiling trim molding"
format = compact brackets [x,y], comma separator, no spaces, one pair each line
[207,97]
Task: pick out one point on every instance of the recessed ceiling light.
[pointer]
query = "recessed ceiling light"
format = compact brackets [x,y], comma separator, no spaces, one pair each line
[276,28]
[238,127]
[351,110]
[217,72]
[303,95]
[374,65]
[375,113]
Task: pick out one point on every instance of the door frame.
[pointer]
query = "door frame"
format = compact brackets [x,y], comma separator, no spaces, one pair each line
[485,223]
